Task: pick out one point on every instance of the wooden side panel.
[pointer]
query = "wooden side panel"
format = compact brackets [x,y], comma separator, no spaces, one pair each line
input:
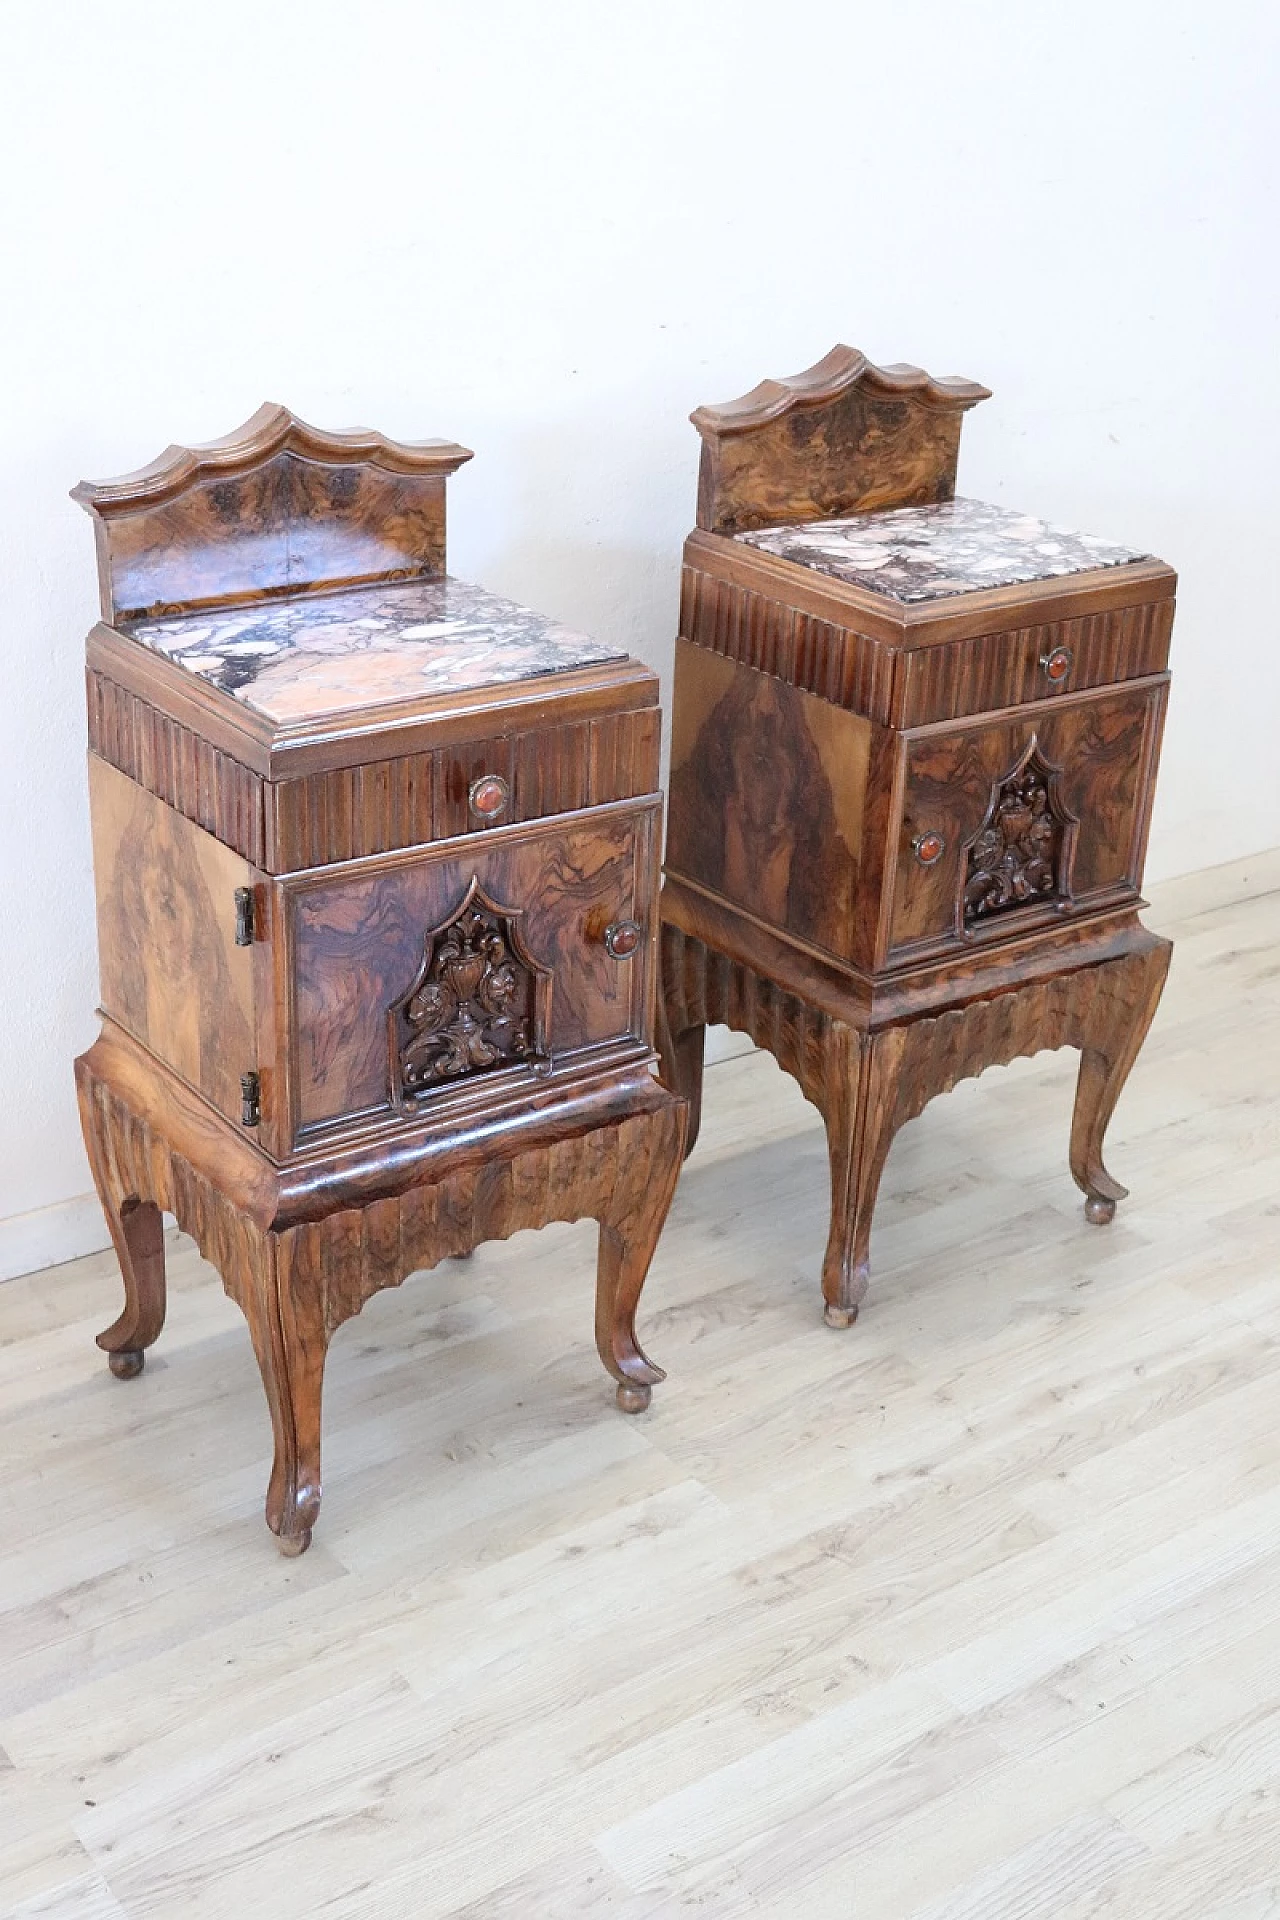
[1103,747]
[171,972]
[767,794]
[357,938]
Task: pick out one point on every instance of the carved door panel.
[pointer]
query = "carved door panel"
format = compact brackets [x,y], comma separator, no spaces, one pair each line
[476,965]
[1033,814]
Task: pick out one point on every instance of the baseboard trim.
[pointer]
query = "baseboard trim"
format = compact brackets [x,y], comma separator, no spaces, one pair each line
[50,1236]
[1210,888]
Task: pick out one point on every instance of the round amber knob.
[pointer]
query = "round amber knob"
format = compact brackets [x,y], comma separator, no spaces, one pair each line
[488,796]
[928,848]
[1057,664]
[622,938]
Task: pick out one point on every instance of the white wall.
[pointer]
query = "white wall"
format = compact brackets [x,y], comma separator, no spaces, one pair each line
[550,230]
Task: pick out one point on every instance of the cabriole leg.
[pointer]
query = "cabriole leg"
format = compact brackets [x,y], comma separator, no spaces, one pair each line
[285,1311]
[862,1084]
[137,1234]
[649,1156]
[1126,994]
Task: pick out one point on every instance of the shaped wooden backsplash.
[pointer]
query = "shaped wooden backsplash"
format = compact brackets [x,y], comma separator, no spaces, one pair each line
[274,507]
[843,437]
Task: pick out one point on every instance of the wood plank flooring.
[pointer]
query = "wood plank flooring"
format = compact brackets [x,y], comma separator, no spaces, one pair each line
[970,1613]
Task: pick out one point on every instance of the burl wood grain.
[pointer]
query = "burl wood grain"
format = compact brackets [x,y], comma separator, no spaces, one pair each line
[867,1082]
[275,506]
[766,805]
[357,942]
[1102,746]
[152,1145]
[843,437]
[170,970]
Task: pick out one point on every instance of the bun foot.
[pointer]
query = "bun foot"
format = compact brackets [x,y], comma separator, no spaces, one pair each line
[633,1398]
[1098,1211]
[292,1544]
[128,1363]
[839,1316]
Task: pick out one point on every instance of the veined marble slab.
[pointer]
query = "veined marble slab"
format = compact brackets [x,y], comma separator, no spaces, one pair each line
[323,653]
[913,554]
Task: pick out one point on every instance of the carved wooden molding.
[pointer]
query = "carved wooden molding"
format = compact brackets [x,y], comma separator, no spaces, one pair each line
[270,431]
[827,380]
[845,436]
[1021,854]
[479,1001]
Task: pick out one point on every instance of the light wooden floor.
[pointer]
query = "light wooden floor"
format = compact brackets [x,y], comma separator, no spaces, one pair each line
[973,1611]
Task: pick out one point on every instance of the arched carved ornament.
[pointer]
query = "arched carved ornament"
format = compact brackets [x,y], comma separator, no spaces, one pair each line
[478,1003]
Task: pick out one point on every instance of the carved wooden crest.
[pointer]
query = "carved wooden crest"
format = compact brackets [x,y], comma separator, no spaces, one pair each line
[478,1002]
[843,437]
[275,507]
[1021,852]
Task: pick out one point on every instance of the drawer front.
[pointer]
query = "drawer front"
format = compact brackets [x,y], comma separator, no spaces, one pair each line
[496,959]
[472,786]
[1038,813]
[991,671]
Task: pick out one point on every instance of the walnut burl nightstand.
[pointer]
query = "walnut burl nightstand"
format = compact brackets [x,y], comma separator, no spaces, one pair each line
[914,747]
[376,860]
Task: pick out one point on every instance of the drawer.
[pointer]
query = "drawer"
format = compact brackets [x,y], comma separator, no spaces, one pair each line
[987,672]
[1035,813]
[468,966]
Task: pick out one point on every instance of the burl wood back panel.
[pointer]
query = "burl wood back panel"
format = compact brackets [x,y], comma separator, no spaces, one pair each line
[766,797]
[843,437]
[275,505]
[1104,746]
[357,937]
[171,973]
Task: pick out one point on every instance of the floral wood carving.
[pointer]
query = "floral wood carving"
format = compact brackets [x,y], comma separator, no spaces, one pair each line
[1019,854]
[478,1001]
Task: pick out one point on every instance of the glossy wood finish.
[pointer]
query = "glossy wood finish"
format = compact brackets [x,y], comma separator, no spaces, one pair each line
[909,666]
[170,971]
[356,936]
[288,798]
[906,840]
[1100,749]
[275,506]
[843,437]
[378,981]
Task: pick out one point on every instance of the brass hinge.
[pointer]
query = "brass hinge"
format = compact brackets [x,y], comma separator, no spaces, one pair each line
[244,916]
[250,1100]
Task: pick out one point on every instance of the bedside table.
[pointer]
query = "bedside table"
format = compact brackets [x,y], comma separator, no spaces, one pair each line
[376,864]
[914,748]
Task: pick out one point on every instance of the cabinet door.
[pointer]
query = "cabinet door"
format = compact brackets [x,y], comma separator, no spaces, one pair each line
[469,969]
[1030,815]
